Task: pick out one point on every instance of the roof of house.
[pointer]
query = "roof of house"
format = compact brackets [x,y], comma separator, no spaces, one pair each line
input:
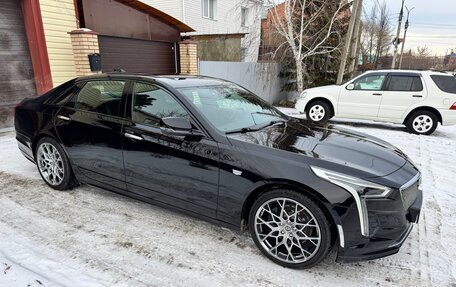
[143,7]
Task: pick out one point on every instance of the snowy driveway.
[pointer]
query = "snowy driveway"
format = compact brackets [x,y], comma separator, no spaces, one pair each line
[91,237]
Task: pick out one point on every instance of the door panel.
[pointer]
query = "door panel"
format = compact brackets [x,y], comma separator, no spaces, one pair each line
[175,170]
[171,169]
[93,143]
[401,93]
[90,130]
[364,100]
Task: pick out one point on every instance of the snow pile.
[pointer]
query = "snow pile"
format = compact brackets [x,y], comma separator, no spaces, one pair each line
[92,237]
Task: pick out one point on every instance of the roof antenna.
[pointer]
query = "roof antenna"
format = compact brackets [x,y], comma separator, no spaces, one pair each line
[119,70]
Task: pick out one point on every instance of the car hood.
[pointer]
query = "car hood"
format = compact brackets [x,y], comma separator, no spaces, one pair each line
[330,145]
[323,89]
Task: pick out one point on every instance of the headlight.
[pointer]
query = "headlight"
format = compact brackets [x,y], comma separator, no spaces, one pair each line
[360,190]
[303,94]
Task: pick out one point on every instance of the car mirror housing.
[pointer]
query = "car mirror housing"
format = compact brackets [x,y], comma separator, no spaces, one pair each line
[178,126]
[350,87]
[176,123]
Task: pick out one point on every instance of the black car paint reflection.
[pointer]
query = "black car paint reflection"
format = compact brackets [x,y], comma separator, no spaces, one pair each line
[218,176]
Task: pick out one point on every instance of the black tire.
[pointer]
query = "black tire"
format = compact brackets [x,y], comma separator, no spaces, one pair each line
[318,112]
[68,180]
[422,122]
[316,253]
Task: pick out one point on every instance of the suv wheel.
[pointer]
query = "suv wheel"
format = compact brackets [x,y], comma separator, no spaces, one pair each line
[318,112]
[422,123]
[290,229]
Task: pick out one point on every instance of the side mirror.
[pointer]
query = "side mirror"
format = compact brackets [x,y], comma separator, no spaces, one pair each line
[350,87]
[177,126]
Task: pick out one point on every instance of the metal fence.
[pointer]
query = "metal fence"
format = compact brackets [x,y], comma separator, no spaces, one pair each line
[260,78]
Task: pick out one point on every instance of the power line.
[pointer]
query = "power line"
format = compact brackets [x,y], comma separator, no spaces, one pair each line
[434,24]
[434,36]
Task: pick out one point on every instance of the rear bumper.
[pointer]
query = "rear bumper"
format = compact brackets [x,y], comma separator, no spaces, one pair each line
[387,244]
[25,146]
[448,117]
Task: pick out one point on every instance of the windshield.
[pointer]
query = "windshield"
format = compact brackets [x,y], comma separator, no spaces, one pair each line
[230,108]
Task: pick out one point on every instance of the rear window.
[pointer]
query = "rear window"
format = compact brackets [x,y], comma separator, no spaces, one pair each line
[404,84]
[445,83]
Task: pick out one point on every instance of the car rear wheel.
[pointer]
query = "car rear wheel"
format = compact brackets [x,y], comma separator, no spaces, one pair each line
[53,164]
[318,112]
[422,123]
[290,229]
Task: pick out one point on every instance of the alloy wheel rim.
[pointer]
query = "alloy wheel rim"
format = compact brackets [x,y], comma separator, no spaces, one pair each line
[287,230]
[317,113]
[50,164]
[422,123]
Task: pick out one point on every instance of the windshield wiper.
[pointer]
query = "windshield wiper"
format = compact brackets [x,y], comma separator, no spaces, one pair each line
[241,131]
[267,114]
[254,128]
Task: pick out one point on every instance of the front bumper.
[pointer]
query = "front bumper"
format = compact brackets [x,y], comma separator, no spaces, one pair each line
[379,247]
[389,226]
[301,104]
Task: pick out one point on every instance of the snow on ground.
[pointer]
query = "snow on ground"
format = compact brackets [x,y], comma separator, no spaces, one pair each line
[92,237]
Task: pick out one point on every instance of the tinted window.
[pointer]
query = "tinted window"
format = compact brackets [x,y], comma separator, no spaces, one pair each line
[230,107]
[445,83]
[370,82]
[151,104]
[404,83]
[101,97]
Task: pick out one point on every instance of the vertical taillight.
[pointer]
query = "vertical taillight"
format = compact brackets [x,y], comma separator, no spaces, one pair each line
[453,107]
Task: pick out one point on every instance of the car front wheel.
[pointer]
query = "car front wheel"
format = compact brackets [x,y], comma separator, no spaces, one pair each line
[290,229]
[422,123]
[318,112]
[53,164]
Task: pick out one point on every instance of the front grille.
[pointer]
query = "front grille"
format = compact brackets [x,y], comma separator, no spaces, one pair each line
[410,193]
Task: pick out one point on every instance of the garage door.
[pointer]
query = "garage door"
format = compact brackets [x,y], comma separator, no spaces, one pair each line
[16,73]
[137,56]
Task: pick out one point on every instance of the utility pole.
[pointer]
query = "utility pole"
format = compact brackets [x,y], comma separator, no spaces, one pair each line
[357,4]
[405,34]
[396,41]
[356,37]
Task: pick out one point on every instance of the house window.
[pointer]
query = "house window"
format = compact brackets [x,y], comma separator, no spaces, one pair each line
[244,16]
[209,8]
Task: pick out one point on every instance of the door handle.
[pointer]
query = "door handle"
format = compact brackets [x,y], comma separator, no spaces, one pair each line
[417,96]
[376,94]
[134,137]
[64,118]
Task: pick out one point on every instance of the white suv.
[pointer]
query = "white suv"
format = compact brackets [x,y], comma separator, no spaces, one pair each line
[418,99]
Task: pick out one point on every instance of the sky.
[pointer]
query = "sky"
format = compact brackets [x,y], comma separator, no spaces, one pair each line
[432,23]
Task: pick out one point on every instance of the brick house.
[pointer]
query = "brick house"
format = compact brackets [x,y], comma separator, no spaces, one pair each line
[44,43]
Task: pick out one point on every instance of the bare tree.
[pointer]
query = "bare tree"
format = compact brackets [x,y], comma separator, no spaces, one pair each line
[303,28]
[423,51]
[376,35]
[369,32]
[383,34]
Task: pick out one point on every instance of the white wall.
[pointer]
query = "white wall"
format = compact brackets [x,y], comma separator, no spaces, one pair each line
[228,19]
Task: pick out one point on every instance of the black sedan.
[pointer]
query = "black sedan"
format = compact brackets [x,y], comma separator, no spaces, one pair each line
[213,149]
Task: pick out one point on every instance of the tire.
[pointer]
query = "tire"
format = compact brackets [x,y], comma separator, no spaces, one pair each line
[267,229]
[53,165]
[422,122]
[318,112]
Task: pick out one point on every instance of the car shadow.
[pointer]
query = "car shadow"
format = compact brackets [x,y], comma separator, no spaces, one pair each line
[389,127]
